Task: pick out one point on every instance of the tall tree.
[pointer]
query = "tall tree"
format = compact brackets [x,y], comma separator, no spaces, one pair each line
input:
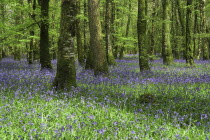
[196,31]
[32,15]
[152,46]
[141,31]
[181,16]
[85,46]
[166,42]
[18,21]
[66,73]
[89,55]
[45,59]
[127,30]
[96,48]
[2,8]
[189,44]
[112,30]
[109,53]
[204,41]
[80,47]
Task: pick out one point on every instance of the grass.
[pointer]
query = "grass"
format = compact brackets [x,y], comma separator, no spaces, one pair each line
[106,107]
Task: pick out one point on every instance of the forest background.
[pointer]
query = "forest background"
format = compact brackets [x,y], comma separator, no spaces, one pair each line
[159,90]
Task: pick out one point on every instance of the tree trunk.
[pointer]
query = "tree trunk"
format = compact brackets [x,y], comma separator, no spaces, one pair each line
[166,43]
[182,22]
[2,8]
[31,44]
[96,48]
[17,54]
[204,41]
[85,46]
[80,49]
[152,39]
[174,32]
[196,31]
[66,73]
[109,53]
[141,31]
[189,44]
[44,36]
[126,32]
[113,31]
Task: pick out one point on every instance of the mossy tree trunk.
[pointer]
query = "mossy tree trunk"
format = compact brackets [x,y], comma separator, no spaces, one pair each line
[17,53]
[96,48]
[122,49]
[45,58]
[189,44]
[85,45]
[174,26]
[88,53]
[115,26]
[113,31]
[2,8]
[152,34]
[141,31]
[109,53]
[204,41]
[66,73]
[32,4]
[80,49]
[166,41]
[196,30]
[182,23]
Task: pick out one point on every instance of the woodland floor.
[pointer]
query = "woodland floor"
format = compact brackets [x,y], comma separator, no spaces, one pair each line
[106,107]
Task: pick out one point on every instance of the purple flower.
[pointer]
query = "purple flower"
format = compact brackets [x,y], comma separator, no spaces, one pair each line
[91,117]
[204,116]
[115,123]
[101,131]
[133,132]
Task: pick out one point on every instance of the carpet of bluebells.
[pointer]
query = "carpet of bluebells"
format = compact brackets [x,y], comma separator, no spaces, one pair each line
[106,107]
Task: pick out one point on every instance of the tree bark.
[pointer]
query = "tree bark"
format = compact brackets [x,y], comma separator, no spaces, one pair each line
[32,33]
[204,41]
[141,31]
[85,46]
[166,42]
[196,31]
[189,45]
[174,26]
[96,48]
[66,73]
[109,53]
[182,23]
[80,49]
[17,53]
[2,31]
[45,59]
[126,32]
[152,39]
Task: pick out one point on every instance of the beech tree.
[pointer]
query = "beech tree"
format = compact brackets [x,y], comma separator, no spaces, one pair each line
[32,4]
[18,22]
[189,44]
[66,73]
[204,41]
[166,42]
[97,51]
[141,31]
[2,8]
[109,53]
[80,47]
[44,36]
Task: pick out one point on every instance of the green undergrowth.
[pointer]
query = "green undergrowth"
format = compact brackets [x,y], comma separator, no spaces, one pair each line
[113,112]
